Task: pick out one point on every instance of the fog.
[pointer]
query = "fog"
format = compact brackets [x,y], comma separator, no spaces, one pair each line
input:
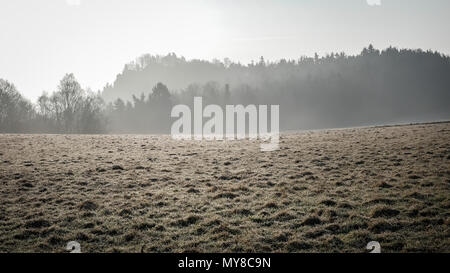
[42,41]
[375,87]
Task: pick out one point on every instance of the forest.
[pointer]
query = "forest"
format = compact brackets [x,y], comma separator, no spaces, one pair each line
[337,90]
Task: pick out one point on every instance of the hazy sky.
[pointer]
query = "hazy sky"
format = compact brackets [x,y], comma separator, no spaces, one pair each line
[42,40]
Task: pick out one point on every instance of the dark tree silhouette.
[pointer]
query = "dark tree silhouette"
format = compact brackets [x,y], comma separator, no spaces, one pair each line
[15,111]
[71,109]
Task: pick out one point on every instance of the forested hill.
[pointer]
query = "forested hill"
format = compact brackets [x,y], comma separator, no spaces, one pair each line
[375,87]
[396,72]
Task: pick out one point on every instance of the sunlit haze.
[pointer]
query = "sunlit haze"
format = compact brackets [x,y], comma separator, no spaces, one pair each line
[43,40]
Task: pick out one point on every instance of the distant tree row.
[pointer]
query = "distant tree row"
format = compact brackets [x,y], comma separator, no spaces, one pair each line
[176,72]
[15,111]
[336,90]
[68,110]
[374,87]
[71,109]
[146,114]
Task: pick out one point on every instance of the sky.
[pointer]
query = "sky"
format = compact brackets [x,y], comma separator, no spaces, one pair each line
[41,41]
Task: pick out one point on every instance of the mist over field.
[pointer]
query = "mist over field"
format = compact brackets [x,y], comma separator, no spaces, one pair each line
[375,87]
[336,90]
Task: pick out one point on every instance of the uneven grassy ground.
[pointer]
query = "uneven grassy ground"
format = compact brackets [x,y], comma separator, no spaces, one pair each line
[324,191]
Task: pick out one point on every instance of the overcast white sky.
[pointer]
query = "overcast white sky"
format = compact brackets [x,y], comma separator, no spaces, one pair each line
[42,40]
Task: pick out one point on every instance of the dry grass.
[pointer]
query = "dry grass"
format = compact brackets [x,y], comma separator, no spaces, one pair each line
[324,191]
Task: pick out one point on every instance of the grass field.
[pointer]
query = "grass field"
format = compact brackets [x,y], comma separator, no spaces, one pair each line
[323,191]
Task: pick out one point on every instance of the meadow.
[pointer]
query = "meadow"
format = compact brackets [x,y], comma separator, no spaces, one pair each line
[323,191]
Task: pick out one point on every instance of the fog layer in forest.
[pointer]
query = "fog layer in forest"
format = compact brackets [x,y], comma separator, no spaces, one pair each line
[374,87]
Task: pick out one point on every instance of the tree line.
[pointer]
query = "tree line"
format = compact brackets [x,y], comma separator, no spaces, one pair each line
[336,90]
[70,109]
